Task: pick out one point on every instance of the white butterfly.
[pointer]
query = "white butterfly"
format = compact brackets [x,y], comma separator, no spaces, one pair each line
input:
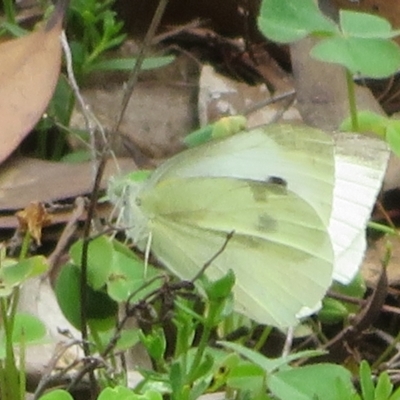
[273,187]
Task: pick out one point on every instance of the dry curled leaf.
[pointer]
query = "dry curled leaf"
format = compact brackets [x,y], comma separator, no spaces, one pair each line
[32,219]
[29,69]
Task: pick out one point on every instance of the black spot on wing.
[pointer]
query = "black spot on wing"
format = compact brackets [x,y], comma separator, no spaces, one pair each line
[273,184]
[276,180]
[266,223]
[259,192]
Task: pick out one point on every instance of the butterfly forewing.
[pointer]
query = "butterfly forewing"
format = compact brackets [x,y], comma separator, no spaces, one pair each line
[301,156]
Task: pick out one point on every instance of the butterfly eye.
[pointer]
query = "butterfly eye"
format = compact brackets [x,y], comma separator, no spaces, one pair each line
[277,181]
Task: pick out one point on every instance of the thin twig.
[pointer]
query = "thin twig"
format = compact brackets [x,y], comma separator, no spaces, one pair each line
[91,122]
[47,378]
[214,257]
[266,102]
[90,364]
[68,232]
[176,31]
[361,302]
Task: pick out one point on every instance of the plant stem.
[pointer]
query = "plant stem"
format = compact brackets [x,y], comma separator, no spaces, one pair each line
[209,323]
[386,352]
[352,101]
[11,388]
[9,11]
[263,338]
[199,353]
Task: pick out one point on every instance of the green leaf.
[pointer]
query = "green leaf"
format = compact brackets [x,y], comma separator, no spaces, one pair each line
[126,339]
[67,293]
[57,394]
[128,275]
[27,330]
[100,306]
[247,376]
[100,256]
[393,137]
[62,103]
[152,395]
[77,156]
[176,377]
[204,368]
[355,55]
[365,25]
[15,273]
[395,395]
[124,393]
[269,364]
[198,388]
[332,311]
[117,393]
[384,387]
[14,29]
[288,21]
[127,64]
[356,288]
[221,288]
[155,343]
[310,382]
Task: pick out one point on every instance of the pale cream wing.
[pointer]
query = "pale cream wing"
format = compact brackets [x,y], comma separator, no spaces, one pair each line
[360,167]
[280,251]
[300,155]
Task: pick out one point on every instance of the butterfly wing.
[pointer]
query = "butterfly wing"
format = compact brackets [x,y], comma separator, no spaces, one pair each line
[280,251]
[300,155]
[360,166]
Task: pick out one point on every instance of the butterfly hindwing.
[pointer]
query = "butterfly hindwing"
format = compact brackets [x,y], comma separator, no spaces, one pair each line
[360,165]
[280,251]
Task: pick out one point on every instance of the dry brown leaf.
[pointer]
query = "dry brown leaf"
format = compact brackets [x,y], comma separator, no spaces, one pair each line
[29,69]
[33,218]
